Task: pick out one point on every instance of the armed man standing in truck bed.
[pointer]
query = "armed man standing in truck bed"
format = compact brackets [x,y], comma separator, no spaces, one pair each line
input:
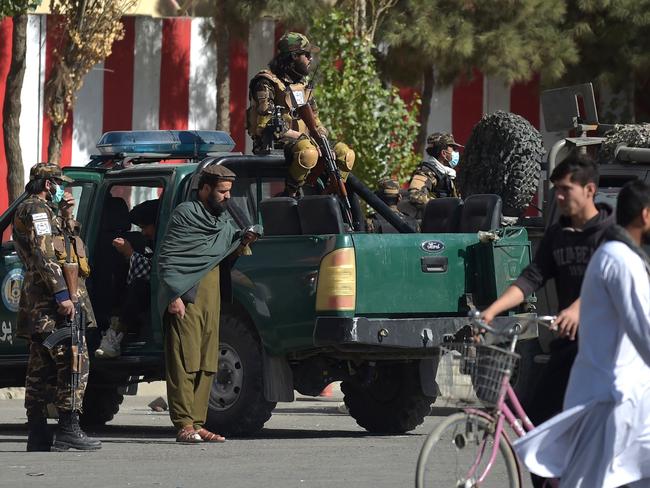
[283,88]
[46,238]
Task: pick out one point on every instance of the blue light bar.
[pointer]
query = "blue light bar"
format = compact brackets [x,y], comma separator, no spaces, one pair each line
[174,142]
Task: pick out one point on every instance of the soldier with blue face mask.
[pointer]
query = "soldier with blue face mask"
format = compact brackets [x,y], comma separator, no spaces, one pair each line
[46,238]
[436,177]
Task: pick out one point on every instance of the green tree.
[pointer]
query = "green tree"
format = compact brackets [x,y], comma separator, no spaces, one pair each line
[87,31]
[614,48]
[11,108]
[436,42]
[356,107]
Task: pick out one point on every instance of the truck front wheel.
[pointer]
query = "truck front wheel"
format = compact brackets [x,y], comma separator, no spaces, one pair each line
[389,402]
[237,405]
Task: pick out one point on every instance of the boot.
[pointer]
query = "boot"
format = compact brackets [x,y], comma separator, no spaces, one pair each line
[70,436]
[39,437]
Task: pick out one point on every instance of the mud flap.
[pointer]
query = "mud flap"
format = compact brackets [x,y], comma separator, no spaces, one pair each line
[278,379]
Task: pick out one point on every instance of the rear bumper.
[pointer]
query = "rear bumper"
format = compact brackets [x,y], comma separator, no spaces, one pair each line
[413,337]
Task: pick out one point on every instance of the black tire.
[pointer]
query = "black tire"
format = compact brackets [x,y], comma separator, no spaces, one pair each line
[461,436]
[392,403]
[237,405]
[101,404]
[503,155]
[633,135]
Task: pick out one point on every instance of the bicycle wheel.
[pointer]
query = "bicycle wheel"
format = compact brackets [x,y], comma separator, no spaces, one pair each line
[452,448]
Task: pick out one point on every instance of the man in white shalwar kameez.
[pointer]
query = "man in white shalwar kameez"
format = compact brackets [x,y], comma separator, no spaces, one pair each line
[602,438]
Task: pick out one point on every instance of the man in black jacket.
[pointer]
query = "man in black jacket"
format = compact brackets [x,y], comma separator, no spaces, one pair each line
[563,254]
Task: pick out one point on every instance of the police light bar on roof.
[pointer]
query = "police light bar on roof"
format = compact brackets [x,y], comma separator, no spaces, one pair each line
[174,142]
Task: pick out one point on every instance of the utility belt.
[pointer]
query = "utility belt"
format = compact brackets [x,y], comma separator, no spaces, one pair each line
[71,249]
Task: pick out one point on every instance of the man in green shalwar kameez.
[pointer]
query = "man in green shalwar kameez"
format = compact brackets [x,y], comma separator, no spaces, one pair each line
[200,236]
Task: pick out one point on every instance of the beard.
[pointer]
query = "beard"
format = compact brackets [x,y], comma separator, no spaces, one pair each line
[300,69]
[215,207]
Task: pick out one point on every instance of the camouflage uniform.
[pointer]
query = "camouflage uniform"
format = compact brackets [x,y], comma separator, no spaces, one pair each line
[388,191]
[269,89]
[39,235]
[428,181]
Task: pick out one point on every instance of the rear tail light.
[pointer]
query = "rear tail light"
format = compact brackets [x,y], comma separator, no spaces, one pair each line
[337,281]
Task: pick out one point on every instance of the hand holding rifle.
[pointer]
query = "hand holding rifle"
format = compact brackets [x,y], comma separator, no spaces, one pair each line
[328,157]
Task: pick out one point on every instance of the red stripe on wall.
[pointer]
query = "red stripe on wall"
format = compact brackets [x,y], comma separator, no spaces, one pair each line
[524,100]
[175,74]
[118,81]
[466,106]
[52,39]
[238,92]
[6,30]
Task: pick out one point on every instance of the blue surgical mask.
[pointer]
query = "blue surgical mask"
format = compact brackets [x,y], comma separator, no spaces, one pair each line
[455,158]
[57,196]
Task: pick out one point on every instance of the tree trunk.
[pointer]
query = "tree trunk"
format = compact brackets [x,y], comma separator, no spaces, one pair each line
[12,107]
[428,82]
[222,38]
[56,110]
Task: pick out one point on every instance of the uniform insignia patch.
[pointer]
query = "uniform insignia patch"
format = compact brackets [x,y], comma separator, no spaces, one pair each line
[299,97]
[41,224]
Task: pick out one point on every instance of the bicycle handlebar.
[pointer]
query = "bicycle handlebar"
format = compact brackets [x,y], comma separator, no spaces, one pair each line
[519,327]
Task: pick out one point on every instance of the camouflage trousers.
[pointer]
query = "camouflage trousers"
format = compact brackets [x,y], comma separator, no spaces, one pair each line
[49,378]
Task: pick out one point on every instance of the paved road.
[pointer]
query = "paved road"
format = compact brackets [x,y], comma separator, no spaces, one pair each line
[305,444]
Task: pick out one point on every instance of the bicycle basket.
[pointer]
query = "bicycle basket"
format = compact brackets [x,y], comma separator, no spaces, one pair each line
[467,372]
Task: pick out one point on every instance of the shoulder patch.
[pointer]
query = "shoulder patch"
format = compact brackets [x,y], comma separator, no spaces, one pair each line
[41,224]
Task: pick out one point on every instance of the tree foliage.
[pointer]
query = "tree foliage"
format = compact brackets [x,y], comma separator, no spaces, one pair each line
[510,39]
[356,107]
[86,33]
[9,8]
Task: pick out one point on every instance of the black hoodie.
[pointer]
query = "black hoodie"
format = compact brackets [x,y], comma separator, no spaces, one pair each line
[564,254]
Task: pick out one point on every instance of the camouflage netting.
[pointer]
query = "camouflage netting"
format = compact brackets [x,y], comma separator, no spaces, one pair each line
[637,135]
[503,156]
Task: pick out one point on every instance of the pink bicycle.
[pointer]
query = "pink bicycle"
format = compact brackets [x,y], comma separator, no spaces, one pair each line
[472,449]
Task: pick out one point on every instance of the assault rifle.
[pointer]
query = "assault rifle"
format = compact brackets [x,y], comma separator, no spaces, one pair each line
[273,130]
[329,159]
[74,329]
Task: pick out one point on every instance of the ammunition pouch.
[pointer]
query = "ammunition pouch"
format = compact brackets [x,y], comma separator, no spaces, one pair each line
[77,254]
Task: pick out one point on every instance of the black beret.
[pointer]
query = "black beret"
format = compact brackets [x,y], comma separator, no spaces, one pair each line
[144,213]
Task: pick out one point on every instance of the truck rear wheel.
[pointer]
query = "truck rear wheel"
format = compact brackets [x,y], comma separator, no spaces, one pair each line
[237,405]
[392,403]
[503,155]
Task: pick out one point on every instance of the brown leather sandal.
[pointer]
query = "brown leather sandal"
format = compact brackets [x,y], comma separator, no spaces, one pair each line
[208,436]
[187,435]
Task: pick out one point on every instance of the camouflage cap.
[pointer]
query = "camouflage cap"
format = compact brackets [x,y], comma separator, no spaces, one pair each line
[48,171]
[388,186]
[442,139]
[219,172]
[293,42]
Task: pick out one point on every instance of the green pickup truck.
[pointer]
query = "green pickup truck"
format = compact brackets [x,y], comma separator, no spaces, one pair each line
[316,302]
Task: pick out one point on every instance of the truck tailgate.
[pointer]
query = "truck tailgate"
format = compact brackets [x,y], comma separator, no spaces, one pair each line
[411,273]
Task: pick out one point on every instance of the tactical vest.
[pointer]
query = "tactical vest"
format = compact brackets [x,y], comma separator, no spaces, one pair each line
[281,97]
[77,252]
[444,185]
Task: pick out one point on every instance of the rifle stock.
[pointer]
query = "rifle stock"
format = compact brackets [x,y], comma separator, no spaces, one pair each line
[329,158]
